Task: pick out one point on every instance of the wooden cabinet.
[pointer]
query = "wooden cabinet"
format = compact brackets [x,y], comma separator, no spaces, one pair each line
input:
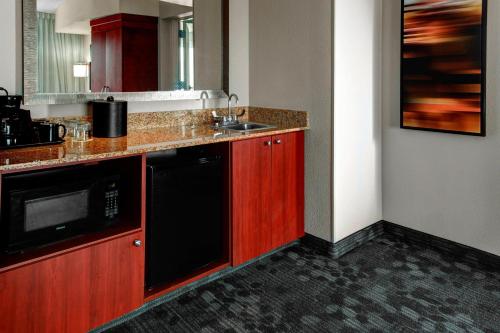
[287,188]
[267,194]
[116,279]
[125,53]
[251,198]
[74,292]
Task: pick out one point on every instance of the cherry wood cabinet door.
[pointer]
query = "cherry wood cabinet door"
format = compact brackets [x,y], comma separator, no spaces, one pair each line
[49,296]
[287,188]
[116,279]
[74,292]
[251,198]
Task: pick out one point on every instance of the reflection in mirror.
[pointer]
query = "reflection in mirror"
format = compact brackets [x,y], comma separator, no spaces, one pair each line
[86,46]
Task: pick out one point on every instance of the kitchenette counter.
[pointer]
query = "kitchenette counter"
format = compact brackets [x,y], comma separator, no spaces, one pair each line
[138,141]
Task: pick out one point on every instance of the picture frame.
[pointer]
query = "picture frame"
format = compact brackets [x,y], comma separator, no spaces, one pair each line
[442,91]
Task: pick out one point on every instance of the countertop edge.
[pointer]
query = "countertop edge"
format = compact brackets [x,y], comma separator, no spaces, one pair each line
[143,149]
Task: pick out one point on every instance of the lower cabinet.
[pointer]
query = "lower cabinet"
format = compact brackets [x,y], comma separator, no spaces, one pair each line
[287,218]
[267,194]
[74,292]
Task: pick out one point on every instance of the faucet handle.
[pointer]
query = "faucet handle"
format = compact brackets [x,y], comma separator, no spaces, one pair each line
[241,114]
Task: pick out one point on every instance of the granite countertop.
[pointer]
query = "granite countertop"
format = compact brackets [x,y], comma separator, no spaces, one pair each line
[138,141]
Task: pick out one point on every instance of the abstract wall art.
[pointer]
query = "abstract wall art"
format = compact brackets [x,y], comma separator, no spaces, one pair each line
[443,65]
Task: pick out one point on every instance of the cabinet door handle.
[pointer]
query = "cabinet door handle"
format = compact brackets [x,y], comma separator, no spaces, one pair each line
[137,243]
[278,142]
[268,143]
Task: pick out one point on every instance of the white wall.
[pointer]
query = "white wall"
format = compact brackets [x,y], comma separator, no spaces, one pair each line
[11,63]
[8,63]
[290,67]
[446,185]
[357,116]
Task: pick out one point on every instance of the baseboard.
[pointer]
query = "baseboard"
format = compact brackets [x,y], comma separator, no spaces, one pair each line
[323,246]
[464,252]
[347,244]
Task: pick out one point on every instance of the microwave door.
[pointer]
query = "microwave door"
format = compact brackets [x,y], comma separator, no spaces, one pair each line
[42,216]
[56,211]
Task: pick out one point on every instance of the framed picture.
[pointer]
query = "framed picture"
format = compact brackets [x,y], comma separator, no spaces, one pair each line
[443,66]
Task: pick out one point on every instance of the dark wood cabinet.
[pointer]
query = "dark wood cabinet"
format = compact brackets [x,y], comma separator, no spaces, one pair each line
[74,292]
[267,194]
[125,53]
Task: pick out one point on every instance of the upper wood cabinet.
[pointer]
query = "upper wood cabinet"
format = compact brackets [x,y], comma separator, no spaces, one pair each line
[125,53]
[74,292]
[267,194]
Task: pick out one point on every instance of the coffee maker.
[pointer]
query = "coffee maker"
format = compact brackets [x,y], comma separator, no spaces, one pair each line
[17,130]
[15,123]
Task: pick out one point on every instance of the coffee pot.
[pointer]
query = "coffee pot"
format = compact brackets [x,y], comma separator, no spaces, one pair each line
[10,101]
[16,126]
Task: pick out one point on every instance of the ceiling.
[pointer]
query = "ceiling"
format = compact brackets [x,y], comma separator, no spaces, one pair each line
[48,6]
[188,3]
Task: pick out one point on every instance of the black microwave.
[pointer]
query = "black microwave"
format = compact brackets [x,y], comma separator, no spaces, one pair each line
[43,207]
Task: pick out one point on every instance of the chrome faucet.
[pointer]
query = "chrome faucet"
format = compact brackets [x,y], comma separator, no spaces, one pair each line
[203,98]
[232,117]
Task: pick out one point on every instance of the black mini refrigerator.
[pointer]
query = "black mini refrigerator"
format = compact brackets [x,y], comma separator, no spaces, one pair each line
[185,221]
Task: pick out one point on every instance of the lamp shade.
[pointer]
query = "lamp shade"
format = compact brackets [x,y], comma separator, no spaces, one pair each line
[81,70]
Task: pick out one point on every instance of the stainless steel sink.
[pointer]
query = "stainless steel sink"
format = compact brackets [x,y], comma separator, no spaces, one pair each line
[247,127]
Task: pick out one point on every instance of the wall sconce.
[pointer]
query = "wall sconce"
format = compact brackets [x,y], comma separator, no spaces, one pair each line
[81,70]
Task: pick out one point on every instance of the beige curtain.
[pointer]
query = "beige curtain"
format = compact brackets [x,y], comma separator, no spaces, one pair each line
[57,53]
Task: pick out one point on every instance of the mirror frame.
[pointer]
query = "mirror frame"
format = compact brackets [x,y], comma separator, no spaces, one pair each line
[30,71]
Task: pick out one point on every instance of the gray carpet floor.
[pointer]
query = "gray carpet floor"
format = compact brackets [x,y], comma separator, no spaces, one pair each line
[387,285]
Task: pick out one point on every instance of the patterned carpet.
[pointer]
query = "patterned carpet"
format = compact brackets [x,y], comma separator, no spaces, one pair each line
[388,285]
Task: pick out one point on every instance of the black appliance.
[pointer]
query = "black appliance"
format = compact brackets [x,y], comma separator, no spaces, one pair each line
[16,127]
[109,118]
[43,207]
[184,214]
[13,101]
[17,130]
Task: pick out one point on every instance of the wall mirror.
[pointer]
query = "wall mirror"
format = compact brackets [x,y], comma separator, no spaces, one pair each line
[138,50]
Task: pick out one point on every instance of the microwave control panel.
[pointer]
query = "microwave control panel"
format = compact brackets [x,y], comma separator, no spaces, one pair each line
[111,198]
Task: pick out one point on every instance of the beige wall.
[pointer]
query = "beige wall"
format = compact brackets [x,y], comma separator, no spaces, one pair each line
[142,7]
[168,9]
[208,44]
[239,49]
[291,68]
[443,184]
[73,16]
